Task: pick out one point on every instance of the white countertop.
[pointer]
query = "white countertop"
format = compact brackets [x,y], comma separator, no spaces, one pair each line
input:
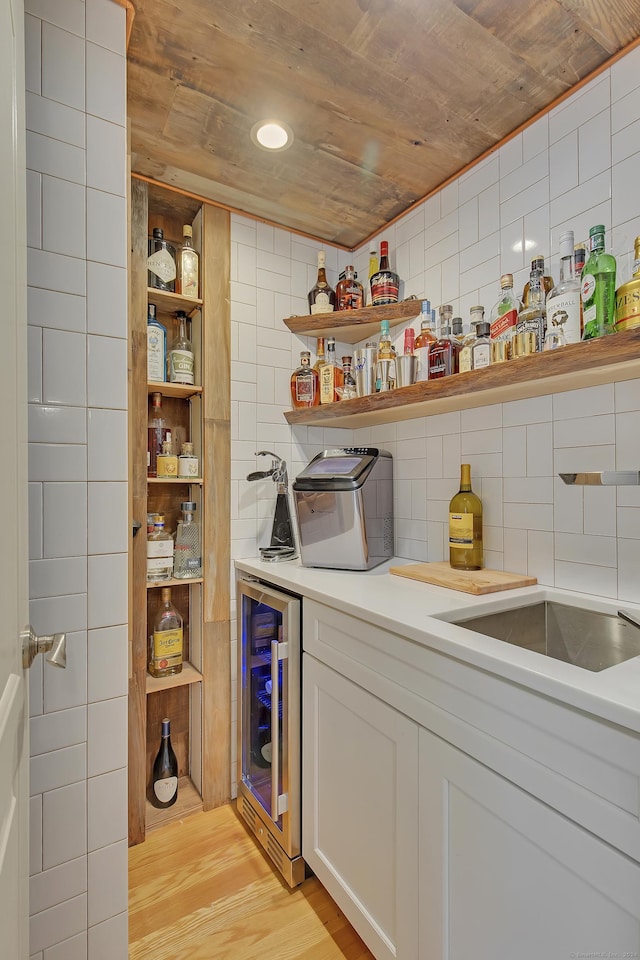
[420,611]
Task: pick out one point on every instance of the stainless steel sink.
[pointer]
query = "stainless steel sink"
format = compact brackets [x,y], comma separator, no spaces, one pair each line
[584,638]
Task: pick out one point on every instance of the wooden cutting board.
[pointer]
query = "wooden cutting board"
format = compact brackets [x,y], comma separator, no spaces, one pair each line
[468,581]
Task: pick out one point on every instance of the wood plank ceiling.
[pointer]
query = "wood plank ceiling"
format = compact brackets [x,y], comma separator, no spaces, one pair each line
[386,98]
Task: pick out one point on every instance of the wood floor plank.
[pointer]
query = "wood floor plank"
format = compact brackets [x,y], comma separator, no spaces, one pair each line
[201,888]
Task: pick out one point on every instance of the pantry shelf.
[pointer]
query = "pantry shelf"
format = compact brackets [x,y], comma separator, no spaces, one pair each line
[187,675]
[173,582]
[180,390]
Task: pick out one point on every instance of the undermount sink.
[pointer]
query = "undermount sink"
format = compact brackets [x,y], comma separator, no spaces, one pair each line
[585,638]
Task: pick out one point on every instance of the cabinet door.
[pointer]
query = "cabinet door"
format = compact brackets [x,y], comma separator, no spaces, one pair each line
[504,875]
[360,788]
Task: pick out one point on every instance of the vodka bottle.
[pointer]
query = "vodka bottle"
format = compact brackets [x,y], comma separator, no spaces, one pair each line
[187,557]
[563,302]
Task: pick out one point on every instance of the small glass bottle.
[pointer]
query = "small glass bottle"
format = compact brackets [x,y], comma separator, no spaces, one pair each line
[322,297]
[425,338]
[188,265]
[457,330]
[156,347]
[546,282]
[181,360]
[167,461]
[385,360]
[159,551]
[532,321]
[161,262]
[305,384]
[481,347]
[166,648]
[348,389]
[349,292]
[157,432]
[330,375]
[187,462]
[503,319]
[384,283]
[445,315]
[598,288]
[465,360]
[563,302]
[187,557]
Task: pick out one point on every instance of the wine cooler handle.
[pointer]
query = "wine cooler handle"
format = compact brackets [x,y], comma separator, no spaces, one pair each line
[279,651]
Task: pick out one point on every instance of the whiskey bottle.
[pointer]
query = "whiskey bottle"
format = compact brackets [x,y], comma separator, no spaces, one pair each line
[188,265]
[504,316]
[349,292]
[161,263]
[156,347]
[305,384]
[181,360]
[384,283]
[563,302]
[628,296]
[187,554]
[163,789]
[547,284]
[157,432]
[598,288]
[159,551]
[330,375]
[443,355]
[322,297]
[320,356]
[465,525]
[532,320]
[165,654]
[348,389]
[425,338]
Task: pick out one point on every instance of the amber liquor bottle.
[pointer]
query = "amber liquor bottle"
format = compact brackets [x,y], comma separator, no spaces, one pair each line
[384,283]
[349,291]
[305,384]
[443,355]
[331,375]
[322,297]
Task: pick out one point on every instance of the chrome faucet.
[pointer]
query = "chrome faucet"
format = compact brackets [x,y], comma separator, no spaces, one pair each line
[282,546]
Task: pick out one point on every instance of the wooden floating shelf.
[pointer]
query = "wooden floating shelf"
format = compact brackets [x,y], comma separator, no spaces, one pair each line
[351,326]
[172,301]
[189,801]
[606,360]
[181,390]
[187,675]
[193,480]
[173,582]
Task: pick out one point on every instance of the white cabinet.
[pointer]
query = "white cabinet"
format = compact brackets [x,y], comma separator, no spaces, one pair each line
[360,816]
[504,875]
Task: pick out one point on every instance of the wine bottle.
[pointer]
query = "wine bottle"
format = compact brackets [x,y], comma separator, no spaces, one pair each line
[163,790]
[465,525]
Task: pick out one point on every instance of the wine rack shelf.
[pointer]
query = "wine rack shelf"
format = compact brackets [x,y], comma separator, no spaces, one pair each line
[188,675]
[606,360]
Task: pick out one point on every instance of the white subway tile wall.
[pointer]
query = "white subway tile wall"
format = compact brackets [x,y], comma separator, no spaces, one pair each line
[572,168]
[78,536]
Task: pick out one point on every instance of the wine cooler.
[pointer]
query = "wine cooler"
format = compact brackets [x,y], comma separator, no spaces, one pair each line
[269,722]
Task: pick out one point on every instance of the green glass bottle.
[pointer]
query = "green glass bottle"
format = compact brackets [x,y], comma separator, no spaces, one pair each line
[598,288]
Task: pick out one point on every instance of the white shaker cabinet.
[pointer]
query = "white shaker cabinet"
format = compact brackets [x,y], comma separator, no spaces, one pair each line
[360,788]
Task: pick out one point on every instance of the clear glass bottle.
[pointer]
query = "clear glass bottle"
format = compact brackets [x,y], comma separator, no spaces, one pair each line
[322,297]
[187,556]
[547,284]
[330,375]
[188,265]
[384,283]
[167,461]
[532,321]
[563,302]
[167,640]
[465,526]
[503,319]
[348,389]
[481,347]
[598,288]
[187,462]
[181,359]
[305,384]
[161,262]
[157,431]
[163,789]
[349,292]
[385,360]
[156,347]
[159,551]
[465,359]
[425,338]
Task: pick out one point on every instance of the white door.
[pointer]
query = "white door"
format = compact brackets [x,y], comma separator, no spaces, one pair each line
[14,729]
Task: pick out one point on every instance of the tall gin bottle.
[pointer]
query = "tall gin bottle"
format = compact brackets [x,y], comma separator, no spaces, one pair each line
[598,288]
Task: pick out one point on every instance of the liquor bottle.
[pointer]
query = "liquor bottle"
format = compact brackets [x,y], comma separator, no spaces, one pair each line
[157,431]
[409,342]
[330,375]
[163,789]
[532,320]
[188,265]
[159,551]
[322,297]
[598,288]
[348,389]
[503,319]
[481,347]
[384,283]
[457,330]
[465,525]
[187,554]
[580,258]
[161,263]
[181,360]
[465,359]
[156,347]
[443,355]
[406,364]
[349,292]
[320,356]
[628,296]
[547,284]
[563,302]
[165,655]
[425,338]
[373,268]
[167,460]
[187,462]
[385,360]
[305,383]
[445,315]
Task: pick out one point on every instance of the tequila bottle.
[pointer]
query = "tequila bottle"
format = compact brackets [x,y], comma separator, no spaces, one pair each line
[165,654]
[159,551]
[187,557]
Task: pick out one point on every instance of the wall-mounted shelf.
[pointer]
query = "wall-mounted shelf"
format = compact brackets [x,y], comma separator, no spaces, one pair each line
[197,481]
[187,675]
[607,360]
[170,302]
[180,390]
[351,326]
[173,582]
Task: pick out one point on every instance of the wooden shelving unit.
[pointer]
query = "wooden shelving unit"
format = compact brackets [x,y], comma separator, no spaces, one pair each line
[351,326]
[607,360]
[197,700]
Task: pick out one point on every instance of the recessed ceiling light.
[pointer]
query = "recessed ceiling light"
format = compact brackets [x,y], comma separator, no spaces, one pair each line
[272,135]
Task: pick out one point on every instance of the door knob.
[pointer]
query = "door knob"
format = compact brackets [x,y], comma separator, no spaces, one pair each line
[55,644]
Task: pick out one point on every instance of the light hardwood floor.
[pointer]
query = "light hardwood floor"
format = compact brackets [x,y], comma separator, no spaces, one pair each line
[201,889]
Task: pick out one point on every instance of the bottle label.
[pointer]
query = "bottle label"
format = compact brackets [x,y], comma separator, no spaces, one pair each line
[304,390]
[464,360]
[327,383]
[422,364]
[166,465]
[503,326]
[461,531]
[162,264]
[322,303]
[159,548]
[187,466]
[165,789]
[563,314]
[481,355]
[588,287]
[167,648]
[181,366]
[189,274]
[384,289]
[156,368]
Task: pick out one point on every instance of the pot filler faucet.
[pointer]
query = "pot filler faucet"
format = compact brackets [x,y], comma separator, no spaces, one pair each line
[282,546]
